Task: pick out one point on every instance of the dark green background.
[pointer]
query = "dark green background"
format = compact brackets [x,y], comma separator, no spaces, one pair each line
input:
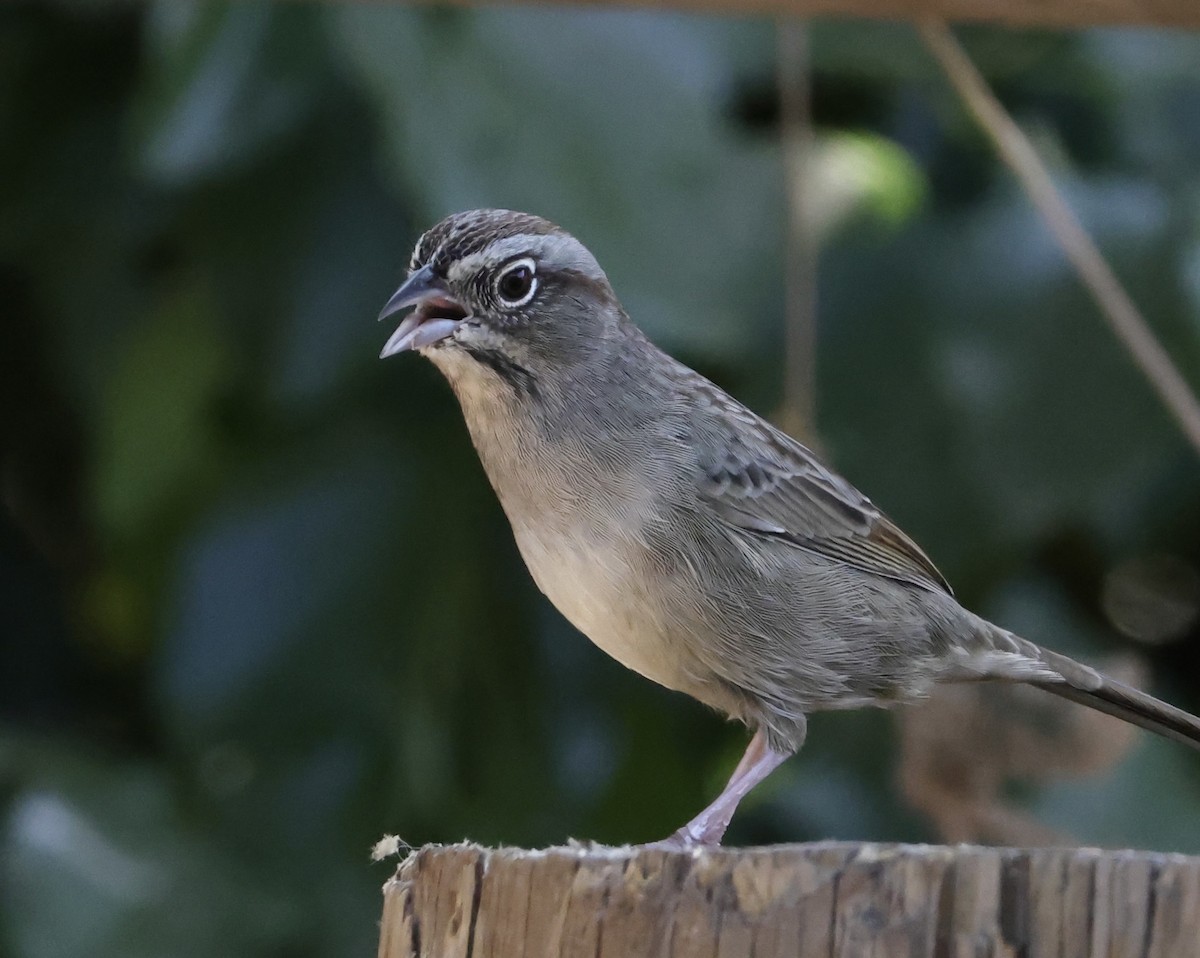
[258,604]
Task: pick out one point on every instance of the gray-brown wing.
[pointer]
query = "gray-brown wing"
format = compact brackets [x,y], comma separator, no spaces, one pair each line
[761,480]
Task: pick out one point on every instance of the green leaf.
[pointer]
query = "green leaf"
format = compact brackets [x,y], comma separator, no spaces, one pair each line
[224,82]
[157,443]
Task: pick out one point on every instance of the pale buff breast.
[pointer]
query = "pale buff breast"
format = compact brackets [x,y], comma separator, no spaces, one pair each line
[576,518]
[604,601]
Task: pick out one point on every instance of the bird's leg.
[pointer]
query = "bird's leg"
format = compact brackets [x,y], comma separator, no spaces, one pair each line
[707,828]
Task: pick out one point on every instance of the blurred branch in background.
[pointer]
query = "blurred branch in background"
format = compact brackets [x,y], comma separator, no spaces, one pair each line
[960,749]
[1015,149]
[799,413]
[1041,13]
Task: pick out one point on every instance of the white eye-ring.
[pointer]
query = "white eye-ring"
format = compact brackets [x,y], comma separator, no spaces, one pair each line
[517,283]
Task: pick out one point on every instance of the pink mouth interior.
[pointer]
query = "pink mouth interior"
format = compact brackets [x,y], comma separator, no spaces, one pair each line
[439,307]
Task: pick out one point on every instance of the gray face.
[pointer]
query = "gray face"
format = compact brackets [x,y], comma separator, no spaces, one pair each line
[496,281]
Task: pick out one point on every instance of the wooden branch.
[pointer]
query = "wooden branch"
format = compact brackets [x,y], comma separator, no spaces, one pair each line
[1117,308]
[830,899]
[1018,13]
[799,413]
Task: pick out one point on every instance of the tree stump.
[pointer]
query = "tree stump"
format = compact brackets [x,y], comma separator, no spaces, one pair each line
[831,900]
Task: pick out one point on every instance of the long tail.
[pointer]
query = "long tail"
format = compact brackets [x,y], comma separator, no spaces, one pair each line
[1125,702]
[1080,683]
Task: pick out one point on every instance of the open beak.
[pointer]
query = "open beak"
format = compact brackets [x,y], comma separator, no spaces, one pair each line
[437,315]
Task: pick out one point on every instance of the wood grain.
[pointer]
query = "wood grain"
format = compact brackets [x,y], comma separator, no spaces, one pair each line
[829,899]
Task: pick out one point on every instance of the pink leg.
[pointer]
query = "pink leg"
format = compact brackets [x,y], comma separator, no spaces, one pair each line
[709,826]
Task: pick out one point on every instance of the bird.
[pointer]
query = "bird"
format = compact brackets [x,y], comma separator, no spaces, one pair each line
[685,535]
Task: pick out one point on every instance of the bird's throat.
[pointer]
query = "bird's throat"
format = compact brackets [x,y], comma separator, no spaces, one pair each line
[519,379]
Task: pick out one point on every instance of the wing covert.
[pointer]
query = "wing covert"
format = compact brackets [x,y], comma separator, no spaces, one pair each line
[763,481]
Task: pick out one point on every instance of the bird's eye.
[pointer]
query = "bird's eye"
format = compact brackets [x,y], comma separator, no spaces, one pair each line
[517,283]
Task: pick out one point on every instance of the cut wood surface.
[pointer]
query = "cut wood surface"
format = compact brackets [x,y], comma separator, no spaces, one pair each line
[832,900]
[1029,13]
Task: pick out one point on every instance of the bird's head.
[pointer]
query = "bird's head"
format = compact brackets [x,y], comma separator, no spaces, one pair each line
[507,290]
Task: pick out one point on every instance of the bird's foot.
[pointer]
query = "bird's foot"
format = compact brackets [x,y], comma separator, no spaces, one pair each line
[708,828]
[686,839]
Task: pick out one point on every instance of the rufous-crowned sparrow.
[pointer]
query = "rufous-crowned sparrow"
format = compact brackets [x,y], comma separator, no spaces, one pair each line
[682,533]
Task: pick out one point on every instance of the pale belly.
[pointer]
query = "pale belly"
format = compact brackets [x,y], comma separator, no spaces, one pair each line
[608,604]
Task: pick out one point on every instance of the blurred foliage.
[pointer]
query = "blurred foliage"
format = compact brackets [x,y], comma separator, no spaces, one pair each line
[258,603]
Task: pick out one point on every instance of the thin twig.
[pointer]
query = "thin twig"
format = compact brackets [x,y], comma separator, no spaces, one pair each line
[800,249]
[1017,151]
